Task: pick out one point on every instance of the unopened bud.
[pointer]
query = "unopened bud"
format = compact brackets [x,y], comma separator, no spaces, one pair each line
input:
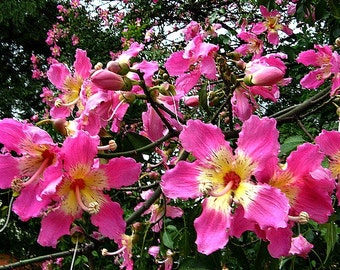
[191,101]
[121,68]
[266,76]
[167,89]
[108,80]
[127,97]
[337,42]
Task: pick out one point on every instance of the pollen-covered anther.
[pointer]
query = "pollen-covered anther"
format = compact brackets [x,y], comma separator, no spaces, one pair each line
[17,184]
[93,208]
[205,186]
[58,103]
[302,218]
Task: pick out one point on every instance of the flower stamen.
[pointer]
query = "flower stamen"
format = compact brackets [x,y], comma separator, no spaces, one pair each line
[302,218]
[93,207]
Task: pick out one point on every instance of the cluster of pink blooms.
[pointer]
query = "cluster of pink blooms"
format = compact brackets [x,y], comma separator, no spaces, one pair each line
[240,189]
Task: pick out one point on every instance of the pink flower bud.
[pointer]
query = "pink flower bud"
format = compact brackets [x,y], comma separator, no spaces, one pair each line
[192,101]
[265,76]
[121,68]
[108,80]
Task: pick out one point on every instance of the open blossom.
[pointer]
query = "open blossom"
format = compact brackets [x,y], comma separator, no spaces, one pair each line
[272,25]
[77,186]
[226,178]
[306,183]
[329,142]
[69,83]
[25,172]
[195,60]
[326,62]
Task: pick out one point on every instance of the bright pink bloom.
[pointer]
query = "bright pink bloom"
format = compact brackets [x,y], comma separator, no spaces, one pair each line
[197,59]
[329,142]
[191,30]
[35,152]
[69,83]
[306,183]
[243,103]
[77,185]
[253,46]
[225,176]
[272,25]
[327,63]
[158,211]
[300,246]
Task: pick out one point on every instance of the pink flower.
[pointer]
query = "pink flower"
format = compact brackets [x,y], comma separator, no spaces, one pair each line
[300,246]
[272,25]
[70,83]
[191,30]
[25,172]
[306,183]
[253,46]
[224,177]
[329,142]
[108,80]
[196,60]
[327,63]
[77,186]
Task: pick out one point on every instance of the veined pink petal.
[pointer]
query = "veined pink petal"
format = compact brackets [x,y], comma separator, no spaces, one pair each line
[202,139]
[148,68]
[173,211]
[152,124]
[243,104]
[335,84]
[75,151]
[57,74]
[313,79]
[12,134]
[300,246]
[211,227]
[265,205]
[308,58]
[53,226]
[259,140]
[121,171]
[9,168]
[273,38]
[181,181]
[280,241]
[186,82]
[176,64]
[82,64]
[28,205]
[329,142]
[258,28]
[208,68]
[109,219]
[133,51]
[271,93]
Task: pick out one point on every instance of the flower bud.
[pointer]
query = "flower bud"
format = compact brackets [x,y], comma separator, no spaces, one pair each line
[265,76]
[167,89]
[121,68]
[108,80]
[127,97]
[191,101]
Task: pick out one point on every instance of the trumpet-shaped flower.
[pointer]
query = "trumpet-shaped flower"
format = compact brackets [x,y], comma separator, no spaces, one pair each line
[306,183]
[329,142]
[228,178]
[77,186]
[70,84]
[35,152]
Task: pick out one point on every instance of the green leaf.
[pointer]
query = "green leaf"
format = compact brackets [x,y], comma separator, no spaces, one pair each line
[203,100]
[329,232]
[290,144]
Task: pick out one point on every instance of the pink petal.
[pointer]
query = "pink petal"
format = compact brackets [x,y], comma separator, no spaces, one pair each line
[329,142]
[280,241]
[300,246]
[202,140]
[176,64]
[173,211]
[27,204]
[208,68]
[273,38]
[9,168]
[258,28]
[308,58]
[122,171]
[79,150]
[181,181]
[265,205]
[211,227]
[109,219]
[53,226]
[82,64]
[57,74]
[186,82]
[243,104]
[313,79]
[259,140]
[12,134]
